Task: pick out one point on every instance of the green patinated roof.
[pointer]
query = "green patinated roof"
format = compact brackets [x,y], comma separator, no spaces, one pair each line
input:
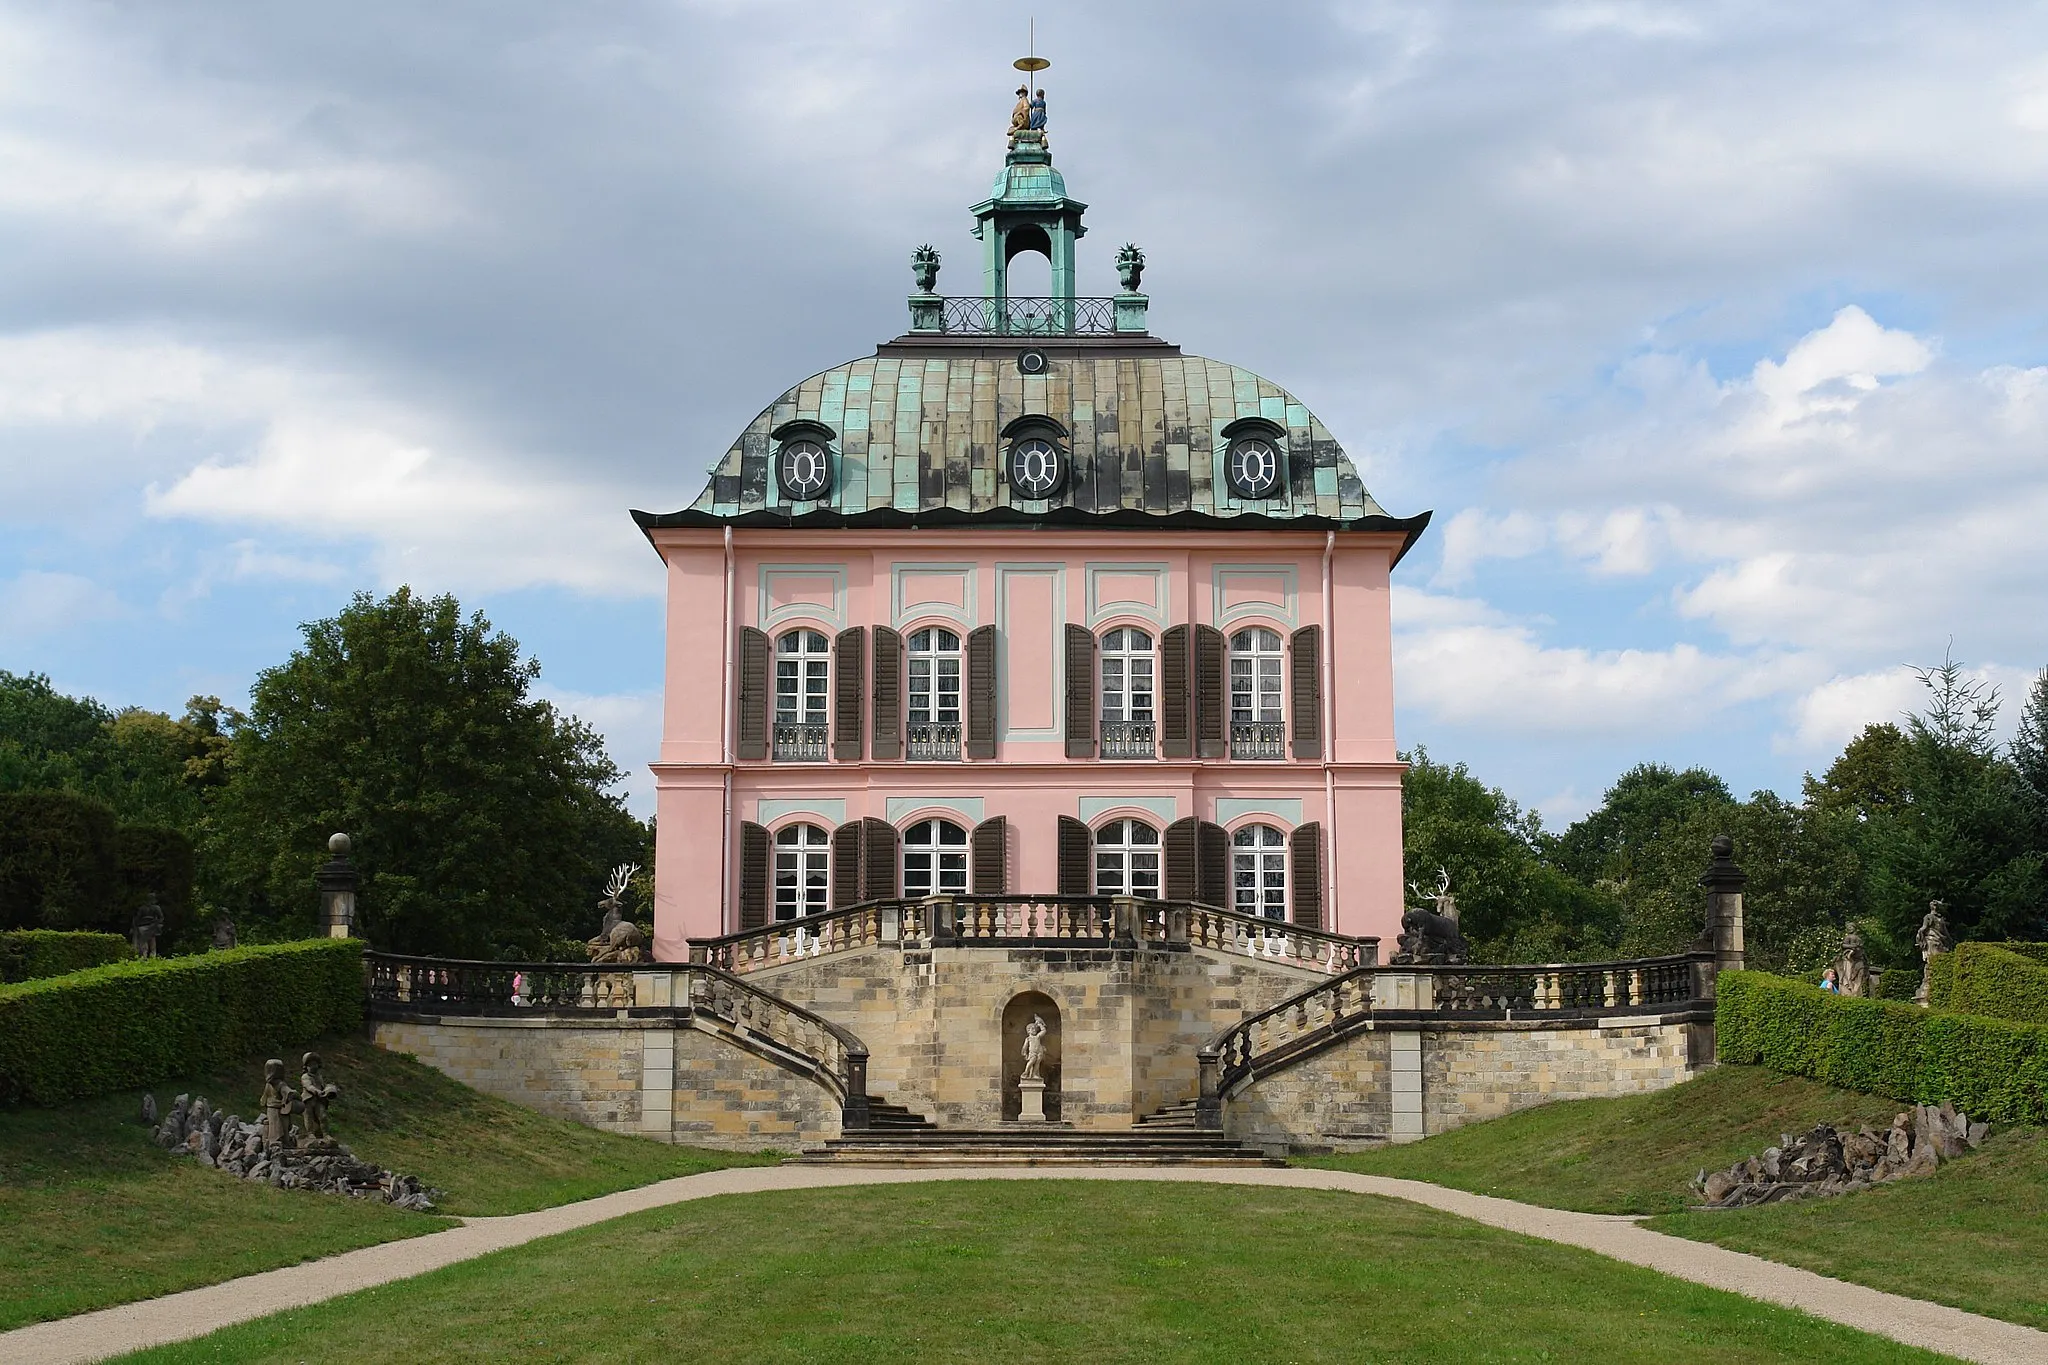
[923,435]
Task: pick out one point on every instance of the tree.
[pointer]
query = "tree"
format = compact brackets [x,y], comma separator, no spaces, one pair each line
[1968,831]
[1513,904]
[1604,845]
[480,815]
[1868,778]
[2030,745]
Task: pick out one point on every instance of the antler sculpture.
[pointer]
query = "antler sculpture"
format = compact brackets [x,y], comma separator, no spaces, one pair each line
[621,877]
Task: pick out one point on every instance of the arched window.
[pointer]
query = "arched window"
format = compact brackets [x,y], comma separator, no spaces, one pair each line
[1127,859]
[801,882]
[1258,871]
[934,859]
[1257,727]
[1127,693]
[802,669]
[934,685]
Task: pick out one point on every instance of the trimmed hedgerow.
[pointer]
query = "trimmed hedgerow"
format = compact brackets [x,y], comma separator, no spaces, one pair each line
[2001,980]
[1898,983]
[132,1023]
[1993,1068]
[27,954]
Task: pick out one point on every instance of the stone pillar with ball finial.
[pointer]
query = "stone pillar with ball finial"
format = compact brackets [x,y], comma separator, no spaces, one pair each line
[337,881]
[1723,882]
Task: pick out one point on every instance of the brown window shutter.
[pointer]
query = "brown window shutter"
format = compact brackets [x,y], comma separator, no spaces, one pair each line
[1212,708]
[1080,693]
[1077,852]
[990,852]
[846,864]
[1182,879]
[980,692]
[1306,672]
[1305,873]
[849,681]
[1176,733]
[752,731]
[888,694]
[756,875]
[877,860]
[1213,863]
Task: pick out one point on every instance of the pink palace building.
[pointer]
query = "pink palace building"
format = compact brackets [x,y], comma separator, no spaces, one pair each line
[1029,601]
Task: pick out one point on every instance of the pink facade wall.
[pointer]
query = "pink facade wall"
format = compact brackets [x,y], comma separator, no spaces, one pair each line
[1029,584]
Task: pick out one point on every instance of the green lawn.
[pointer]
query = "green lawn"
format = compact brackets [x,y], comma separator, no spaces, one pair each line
[1041,1271]
[1633,1155]
[96,1215]
[1974,1235]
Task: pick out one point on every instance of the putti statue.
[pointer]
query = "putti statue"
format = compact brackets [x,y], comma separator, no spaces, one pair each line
[1034,1049]
[316,1092]
[1852,967]
[619,940]
[1432,937]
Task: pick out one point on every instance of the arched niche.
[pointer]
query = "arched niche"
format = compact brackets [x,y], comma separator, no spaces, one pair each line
[1016,1015]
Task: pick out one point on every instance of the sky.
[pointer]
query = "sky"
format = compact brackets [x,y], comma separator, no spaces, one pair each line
[1714,335]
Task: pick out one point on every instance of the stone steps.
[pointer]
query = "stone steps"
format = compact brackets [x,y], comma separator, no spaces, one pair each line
[1178,1115]
[1055,1146]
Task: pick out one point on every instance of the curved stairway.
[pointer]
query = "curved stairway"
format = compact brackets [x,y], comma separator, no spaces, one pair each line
[898,1137]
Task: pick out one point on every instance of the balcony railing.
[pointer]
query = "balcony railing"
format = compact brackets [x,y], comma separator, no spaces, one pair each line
[937,741]
[800,742]
[1258,739]
[1127,739]
[1028,317]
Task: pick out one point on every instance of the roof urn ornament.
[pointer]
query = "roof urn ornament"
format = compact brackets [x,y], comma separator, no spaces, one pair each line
[924,267]
[1130,266]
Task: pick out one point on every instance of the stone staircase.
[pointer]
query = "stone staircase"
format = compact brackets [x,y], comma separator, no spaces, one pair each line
[898,1137]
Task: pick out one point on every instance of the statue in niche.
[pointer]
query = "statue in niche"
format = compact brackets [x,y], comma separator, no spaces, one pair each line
[146,927]
[316,1092]
[1034,1050]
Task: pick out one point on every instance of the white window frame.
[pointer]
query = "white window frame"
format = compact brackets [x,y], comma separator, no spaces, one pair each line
[1129,672]
[803,677]
[926,676]
[1258,689]
[1258,871]
[934,861]
[1129,859]
[803,871]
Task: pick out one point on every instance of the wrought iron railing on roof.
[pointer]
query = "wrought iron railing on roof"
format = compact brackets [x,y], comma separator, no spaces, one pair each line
[1028,317]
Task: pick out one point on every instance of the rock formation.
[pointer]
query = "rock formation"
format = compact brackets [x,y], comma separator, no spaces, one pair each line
[1825,1161]
[226,1143]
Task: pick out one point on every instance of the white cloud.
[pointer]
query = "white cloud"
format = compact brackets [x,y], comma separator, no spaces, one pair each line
[1830,715]
[1474,534]
[37,602]
[631,725]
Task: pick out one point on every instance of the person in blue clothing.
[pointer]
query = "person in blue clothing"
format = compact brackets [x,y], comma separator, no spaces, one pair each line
[1827,981]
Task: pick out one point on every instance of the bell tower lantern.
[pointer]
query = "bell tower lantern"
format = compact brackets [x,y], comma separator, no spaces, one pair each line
[1029,210]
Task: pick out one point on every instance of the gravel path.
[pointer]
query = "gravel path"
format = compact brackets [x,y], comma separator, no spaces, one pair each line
[179,1317]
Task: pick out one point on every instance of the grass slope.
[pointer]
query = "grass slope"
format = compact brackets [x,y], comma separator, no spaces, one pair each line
[1974,1235]
[1638,1154]
[96,1215]
[1042,1271]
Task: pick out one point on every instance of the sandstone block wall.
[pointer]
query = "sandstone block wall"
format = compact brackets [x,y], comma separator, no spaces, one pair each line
[1347,1097]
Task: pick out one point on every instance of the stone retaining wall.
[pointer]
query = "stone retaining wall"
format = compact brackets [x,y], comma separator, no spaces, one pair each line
[1394,1083]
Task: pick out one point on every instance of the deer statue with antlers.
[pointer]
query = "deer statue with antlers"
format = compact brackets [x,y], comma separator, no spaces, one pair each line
[619,940]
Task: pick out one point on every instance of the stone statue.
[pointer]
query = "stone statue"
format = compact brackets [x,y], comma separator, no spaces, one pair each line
[1852,968]
[1034,1049]
[223,932]
[277,1101]
[1933,940]
[147,925]
[924,266]
[1432,936]
[316,1092]
[618,938]
[1130,266]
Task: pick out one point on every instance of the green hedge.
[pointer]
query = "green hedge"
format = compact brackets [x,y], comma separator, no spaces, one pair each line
[1994,1068]
[1898,983]
[134,1023]
[2001,980]
[26,954]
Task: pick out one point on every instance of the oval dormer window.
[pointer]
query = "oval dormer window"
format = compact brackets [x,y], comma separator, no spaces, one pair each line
[803,468]
[1253,463]
[1036,468]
